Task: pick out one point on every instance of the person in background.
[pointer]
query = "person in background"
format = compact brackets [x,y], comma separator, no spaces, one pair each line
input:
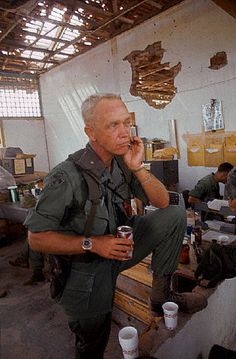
[58,222]
[208,187]
[230,189]
[28,258]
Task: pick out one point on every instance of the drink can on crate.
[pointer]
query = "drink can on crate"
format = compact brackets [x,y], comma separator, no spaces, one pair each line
[125,232]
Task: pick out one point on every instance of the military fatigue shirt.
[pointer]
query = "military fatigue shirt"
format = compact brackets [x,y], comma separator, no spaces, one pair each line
[206,188]
[64,206]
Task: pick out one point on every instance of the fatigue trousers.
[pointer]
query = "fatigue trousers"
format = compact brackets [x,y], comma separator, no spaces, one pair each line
[160,232]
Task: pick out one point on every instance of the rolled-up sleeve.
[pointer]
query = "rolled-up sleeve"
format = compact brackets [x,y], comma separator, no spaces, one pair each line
[51,206]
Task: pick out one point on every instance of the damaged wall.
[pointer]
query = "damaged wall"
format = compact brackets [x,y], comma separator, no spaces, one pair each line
[190,33]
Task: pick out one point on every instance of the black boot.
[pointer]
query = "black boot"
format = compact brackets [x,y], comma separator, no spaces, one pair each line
[37,276]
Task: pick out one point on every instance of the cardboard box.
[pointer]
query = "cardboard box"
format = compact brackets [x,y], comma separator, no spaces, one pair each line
[19,166]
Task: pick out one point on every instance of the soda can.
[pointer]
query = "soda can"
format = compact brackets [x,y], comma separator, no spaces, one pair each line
[125,232]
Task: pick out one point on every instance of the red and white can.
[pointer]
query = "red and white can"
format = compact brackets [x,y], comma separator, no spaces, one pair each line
[125,232]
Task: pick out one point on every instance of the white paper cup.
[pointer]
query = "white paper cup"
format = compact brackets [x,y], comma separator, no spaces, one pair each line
[170,310]
[128,339]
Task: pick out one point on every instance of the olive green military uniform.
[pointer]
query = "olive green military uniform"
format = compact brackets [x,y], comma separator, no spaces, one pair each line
[206,188]
[88,295]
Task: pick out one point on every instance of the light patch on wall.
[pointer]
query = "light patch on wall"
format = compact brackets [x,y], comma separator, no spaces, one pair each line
[71,104]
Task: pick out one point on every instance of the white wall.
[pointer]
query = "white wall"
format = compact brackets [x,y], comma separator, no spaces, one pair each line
[190,33]
[29,135]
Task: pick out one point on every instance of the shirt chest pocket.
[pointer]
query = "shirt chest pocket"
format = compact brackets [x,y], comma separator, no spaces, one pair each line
[101,217]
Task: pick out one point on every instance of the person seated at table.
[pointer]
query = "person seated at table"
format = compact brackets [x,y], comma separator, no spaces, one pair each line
[208,187]
[27,257]
[230,189]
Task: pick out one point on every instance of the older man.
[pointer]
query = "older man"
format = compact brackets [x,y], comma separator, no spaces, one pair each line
[59,224]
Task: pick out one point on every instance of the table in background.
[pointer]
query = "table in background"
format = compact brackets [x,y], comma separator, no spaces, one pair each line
[29,178]
[13,212]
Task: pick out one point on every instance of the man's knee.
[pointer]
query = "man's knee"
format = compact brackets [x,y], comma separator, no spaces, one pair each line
[171,214]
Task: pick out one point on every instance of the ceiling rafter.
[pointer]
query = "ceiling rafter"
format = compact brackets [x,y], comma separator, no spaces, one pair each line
[132,5]
[39,35]
[30,59]
[227,5]
[17,20]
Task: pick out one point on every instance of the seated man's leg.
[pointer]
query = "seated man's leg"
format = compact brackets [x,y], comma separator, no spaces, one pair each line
[92,335]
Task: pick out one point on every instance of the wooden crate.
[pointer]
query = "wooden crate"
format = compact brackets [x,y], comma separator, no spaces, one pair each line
[133,307]
[133,292]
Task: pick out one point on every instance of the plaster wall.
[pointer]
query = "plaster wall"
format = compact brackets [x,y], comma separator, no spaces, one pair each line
[190,33]
[29,135]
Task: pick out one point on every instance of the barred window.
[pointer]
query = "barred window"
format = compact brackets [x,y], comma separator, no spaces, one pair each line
[19,97]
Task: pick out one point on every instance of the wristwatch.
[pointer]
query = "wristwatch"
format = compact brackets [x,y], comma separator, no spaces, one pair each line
[87,244]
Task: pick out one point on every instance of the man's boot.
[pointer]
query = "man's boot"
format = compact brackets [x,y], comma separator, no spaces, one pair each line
[37,276]
[20,261]
[190,302]
[160,293]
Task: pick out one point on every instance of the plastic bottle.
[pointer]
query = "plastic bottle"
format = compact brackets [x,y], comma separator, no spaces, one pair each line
[197,232]
[190,217]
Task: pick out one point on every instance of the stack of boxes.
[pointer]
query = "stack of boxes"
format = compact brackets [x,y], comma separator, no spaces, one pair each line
[16,162]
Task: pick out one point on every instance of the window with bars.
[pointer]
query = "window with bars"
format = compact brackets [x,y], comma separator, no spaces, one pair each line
[19,97]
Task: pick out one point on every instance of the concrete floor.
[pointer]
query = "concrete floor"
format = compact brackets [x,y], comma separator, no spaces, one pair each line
[33,326]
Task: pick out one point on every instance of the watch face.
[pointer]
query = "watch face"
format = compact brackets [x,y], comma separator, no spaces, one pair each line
[87,244]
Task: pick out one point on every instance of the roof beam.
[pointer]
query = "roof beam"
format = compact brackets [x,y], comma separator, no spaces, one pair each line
[46,37]
[13,45]
[227,5]
[18,18]
[43,19]
[154,4]
[12,74]
[21,58]
[99,11]
[132,5]
[18,67]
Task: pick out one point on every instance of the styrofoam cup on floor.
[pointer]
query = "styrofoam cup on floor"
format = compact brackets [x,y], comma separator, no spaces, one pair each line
[128,339]
[170,310]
